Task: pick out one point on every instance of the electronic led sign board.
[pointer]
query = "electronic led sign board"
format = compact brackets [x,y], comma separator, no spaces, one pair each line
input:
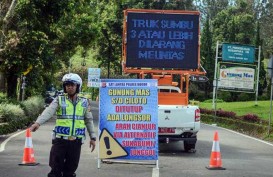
[162,40]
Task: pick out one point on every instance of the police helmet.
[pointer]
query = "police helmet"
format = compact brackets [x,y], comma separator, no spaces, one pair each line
[72,78]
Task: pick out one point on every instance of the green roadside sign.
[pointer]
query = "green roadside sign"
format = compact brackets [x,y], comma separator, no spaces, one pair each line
[238,53]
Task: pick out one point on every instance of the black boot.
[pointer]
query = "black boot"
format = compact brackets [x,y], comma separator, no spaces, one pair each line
[51,174]
[68,175]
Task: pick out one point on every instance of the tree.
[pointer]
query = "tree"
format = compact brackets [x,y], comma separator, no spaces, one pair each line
[264,16]
[232,25]
[210,8]
[44,34]
[262,75]
[236,24]
[207,57]
[7,10]
[109,36]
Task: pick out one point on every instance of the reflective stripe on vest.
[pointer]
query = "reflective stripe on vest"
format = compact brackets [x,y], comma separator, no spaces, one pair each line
[70,117]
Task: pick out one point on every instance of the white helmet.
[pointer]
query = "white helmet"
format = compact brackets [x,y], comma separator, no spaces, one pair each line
[72,78]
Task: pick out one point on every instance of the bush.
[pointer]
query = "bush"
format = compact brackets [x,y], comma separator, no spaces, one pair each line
[3,97]
[251,129]
[225,95]
[264,97]
[245,96]
[11,112]
[219,113]
[207,111]
[251,118]
[222,113]
[16,117]
[33,106]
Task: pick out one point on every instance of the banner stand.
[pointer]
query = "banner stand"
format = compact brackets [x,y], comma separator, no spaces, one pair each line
[110,161]
[128,162]
[128,124]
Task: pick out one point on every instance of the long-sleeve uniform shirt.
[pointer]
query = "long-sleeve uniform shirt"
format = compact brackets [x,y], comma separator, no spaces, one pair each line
[52,108]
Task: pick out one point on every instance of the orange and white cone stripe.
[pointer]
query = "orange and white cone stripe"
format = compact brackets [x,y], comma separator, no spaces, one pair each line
[215,157]
[28,157]
[28,142]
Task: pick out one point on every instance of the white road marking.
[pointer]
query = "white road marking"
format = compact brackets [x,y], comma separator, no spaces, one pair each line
[262,141]
[2,146]
[155,172]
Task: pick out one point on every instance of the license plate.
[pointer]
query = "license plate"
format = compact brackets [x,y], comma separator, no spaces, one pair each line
[166,130]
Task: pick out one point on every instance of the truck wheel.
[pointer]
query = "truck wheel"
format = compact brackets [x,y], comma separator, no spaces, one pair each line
[189,146]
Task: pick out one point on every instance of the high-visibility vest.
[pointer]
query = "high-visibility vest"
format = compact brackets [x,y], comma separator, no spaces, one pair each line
[70,117]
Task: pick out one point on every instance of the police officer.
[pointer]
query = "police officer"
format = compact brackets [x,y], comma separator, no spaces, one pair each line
[73,117]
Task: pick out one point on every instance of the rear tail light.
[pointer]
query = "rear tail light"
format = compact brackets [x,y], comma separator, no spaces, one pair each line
[197,115]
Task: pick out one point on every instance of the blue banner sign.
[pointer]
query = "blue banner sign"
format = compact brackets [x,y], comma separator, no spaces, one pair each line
[93,77]
[238,53]
[128,119]
[162,40]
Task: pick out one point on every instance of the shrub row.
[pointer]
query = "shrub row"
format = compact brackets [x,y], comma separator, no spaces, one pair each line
[232,115]
[19,116]
[251,129]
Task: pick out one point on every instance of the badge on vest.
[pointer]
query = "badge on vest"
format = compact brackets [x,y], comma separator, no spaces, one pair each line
[64,105]
[84,104]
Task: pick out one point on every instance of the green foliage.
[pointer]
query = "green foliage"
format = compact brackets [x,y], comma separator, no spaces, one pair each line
[264,17]
[11,112]
[210,8]
[3,97]
[252,129]
[44,34]
[251,118]
[109,36]
[159,4]
[224,95]
[211,100]
[232,115]
[207,55]
[232,25]
[262,74]
[33,106]
[15,117]
[82,60]
[242,108]
[195,93]
[245,96]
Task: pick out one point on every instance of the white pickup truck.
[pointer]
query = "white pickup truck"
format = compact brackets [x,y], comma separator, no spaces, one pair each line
[177,122]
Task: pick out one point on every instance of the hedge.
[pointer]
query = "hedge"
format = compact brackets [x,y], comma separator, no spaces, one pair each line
[14,117]
[251,129]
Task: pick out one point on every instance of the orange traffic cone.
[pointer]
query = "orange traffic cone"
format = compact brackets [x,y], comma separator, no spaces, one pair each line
[215,157]
[28,157]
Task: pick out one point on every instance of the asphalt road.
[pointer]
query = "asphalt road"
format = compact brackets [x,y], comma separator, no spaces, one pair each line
[242,156]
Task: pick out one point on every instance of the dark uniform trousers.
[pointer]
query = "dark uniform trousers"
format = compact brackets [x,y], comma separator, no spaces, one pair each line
[64,157]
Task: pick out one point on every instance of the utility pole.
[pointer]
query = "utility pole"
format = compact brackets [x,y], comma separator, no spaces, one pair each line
[270,114]
[270,72]
[258,75]
[215,80]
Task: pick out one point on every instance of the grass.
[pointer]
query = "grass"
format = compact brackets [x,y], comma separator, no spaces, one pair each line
[262,109]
